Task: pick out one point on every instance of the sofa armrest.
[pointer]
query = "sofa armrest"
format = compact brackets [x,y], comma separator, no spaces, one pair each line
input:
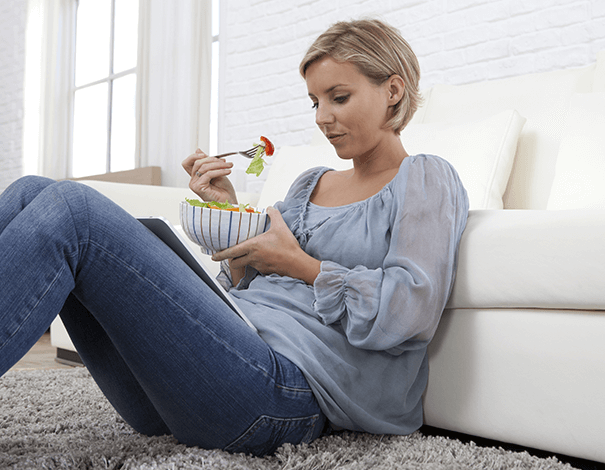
[142,200]
[531,259]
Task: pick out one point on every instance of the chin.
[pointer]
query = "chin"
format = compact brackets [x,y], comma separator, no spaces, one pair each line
[344,152]
[343,155]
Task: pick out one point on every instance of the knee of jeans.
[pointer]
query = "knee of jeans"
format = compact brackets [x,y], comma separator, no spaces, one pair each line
[62,214]
[32,183]
[35,180]
[73,193]
[67,186]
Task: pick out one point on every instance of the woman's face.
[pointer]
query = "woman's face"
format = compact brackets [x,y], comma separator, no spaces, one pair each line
[349,109]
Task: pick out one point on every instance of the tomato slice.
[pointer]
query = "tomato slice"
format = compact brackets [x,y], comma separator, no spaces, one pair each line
[233,209]
[269,147]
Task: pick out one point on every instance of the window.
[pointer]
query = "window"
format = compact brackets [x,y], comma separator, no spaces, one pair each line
[104,91]
[103,124]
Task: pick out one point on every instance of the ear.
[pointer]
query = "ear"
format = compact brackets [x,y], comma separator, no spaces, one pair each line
[395,86]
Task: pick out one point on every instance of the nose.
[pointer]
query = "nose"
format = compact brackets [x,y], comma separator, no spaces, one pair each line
[323,115]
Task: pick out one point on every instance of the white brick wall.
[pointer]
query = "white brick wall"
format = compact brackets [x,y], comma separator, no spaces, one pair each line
[12,66]
[457,41]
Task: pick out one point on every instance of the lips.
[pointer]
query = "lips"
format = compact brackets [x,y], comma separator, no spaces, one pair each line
[333,138]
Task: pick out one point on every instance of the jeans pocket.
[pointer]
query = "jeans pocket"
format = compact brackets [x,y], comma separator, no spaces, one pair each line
[267,434]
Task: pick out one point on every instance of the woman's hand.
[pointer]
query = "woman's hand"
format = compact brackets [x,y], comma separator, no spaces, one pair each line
[209,177]
[274,252]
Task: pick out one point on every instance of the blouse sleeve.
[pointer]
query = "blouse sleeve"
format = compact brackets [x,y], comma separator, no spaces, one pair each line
[399,304]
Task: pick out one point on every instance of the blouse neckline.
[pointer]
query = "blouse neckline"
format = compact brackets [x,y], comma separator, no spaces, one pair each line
[324,170]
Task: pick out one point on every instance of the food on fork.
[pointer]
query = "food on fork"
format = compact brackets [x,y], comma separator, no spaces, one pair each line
[257,165]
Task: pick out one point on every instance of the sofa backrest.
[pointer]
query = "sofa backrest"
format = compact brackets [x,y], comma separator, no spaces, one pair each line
[542,99]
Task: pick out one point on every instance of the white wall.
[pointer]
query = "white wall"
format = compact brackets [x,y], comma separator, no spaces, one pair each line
[12,66]
[456,41]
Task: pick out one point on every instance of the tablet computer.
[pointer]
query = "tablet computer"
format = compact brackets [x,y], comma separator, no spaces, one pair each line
[166,232]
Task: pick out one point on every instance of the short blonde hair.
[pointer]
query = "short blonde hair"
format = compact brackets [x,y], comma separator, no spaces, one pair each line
[379,51]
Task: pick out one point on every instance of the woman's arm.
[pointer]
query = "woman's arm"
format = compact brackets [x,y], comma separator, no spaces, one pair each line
[274,252]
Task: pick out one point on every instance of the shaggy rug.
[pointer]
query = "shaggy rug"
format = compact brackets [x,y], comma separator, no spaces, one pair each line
[58,419]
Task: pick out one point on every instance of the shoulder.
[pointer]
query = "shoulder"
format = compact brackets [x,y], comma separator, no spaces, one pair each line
[306,181]
[429,170]
[433,164]
[429,179]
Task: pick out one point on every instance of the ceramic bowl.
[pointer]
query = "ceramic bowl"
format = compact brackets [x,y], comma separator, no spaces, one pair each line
[215,229]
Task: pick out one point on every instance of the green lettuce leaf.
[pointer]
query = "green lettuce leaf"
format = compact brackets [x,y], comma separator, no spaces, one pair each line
[220,205]
[196,202]
[257,165]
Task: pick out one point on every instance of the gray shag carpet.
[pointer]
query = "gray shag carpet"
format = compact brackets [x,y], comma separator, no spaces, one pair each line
[58,419]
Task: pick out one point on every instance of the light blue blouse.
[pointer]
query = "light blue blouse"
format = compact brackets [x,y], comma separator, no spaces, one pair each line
[360,333]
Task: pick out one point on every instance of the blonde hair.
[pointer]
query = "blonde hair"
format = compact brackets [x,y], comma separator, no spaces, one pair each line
[378,51]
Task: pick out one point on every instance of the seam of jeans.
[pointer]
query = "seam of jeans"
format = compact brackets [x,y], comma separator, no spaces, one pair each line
[50,285]
[275,422]
[293,389]
[78,253]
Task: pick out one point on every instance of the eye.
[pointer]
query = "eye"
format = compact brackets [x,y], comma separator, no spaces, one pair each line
[315,105]
[341,99]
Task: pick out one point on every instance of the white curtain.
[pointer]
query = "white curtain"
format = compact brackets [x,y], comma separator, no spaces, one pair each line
[173,102]
[49,55]
[174,84]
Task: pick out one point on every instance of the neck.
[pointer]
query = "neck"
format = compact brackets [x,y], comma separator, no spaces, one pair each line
[386,157]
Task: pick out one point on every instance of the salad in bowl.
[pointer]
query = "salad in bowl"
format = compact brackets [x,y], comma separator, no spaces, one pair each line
[216,226]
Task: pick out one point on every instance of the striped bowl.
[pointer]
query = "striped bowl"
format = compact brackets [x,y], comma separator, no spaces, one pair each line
[215,230]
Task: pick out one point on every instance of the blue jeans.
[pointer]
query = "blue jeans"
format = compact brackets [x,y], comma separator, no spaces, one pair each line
[170,356]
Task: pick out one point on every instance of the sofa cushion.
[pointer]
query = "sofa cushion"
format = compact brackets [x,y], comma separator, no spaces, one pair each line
[482,152]
[531,259]
[578,181]
[541,98]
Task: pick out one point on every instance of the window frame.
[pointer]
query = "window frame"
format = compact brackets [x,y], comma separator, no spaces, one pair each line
[109,80]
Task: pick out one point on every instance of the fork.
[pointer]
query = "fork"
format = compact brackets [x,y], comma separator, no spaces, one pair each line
[250,153]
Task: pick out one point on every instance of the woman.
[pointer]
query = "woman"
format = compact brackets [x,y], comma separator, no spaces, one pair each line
[346,287]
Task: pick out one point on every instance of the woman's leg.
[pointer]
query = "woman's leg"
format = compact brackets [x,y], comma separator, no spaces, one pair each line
[18,195]
[111,373]
[18,329]
[210,378]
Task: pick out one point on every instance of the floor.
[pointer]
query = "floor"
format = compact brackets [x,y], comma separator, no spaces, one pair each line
[41,356]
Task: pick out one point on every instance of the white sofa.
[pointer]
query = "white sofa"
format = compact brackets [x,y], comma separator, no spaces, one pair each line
[519,355]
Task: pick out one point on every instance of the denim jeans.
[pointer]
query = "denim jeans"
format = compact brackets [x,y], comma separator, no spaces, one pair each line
[168,354]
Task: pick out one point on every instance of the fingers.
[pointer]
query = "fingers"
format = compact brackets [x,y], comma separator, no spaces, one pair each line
[210,167]
[234,253]
[188,163]
[274,216]
[194,163]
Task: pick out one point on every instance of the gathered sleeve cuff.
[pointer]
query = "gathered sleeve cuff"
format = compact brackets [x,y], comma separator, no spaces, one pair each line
[226,281]
[224,276]
[336,287]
